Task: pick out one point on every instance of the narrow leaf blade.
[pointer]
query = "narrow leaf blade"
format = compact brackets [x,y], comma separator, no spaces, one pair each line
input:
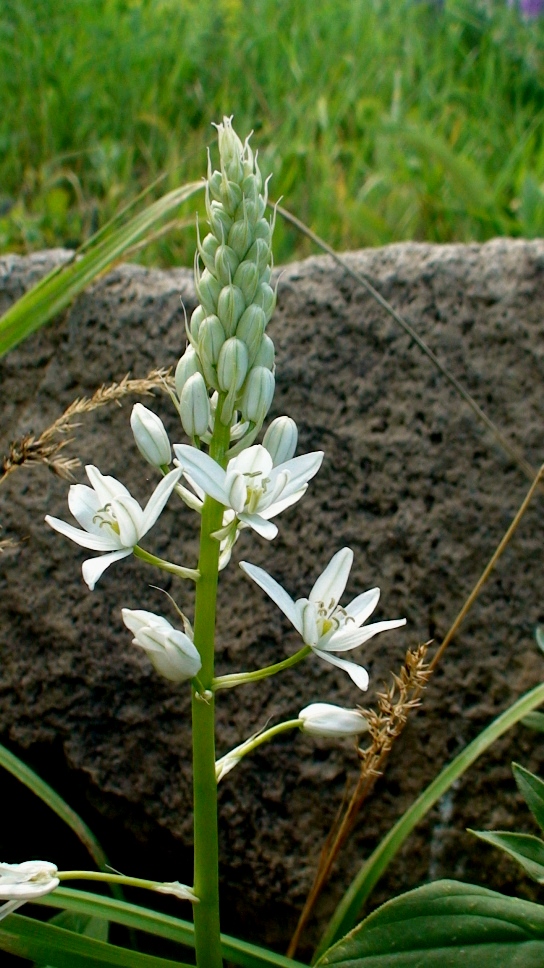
[531,788]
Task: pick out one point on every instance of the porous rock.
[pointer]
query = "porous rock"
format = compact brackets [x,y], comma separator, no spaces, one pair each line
[412,481]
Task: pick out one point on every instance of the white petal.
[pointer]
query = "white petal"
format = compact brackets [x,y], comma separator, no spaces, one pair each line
[355,672]
[310,634]
[362,607]
[93,568]
[130,520]
[326,719]
[106,487]
[136,619]
[263,527]
[253,460]
[205,471]
[330,585]
[301,469]
[95,542]
[158,499]
[274,591]
[274,490]
[283,503]
[84,504]
[9,907]
[350,637]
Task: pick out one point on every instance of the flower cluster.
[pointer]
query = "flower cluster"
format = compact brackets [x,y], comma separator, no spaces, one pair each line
[229,350]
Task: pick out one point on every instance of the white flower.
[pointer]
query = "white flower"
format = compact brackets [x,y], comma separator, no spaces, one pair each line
[150,436]
[23,882]
[172,652]
[251,487]
[112,519]
[325,719]
[325,625]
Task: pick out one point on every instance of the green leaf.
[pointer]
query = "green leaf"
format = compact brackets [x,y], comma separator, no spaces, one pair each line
[446,924]
[162,925]
[369,874]
[81,924]
[22,772]
[539,636]
[526,849]
[57,289]
[534,721]
[531,788]
[46,943]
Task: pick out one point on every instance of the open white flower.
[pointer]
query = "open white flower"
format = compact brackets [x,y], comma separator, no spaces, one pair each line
[23,882]
[112,520]
[325,625]
[326,719]
[251,488]
[172,652]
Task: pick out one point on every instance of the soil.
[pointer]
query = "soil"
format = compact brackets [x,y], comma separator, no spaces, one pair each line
[412,481]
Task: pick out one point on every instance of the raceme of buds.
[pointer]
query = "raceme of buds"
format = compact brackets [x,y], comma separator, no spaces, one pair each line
[281,439]
[232,278]
[150,436]
[325,719]
[172,652]
[194,406]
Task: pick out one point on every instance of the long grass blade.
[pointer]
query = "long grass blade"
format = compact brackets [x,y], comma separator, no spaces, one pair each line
[360,888]
[57,289]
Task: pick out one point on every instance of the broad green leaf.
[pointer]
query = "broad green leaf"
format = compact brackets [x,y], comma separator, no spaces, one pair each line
[534,721]
[46,943]
[526,849]
[362,885]
[57,289]
[445,925]
[163,925]
[531,788]
[22,772]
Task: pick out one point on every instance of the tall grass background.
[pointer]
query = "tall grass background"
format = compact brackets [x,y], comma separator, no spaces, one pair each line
[382,120]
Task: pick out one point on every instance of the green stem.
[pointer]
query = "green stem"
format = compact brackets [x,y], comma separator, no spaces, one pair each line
[251,744]
[164,565]
[112,879]
[239,678]
[206,852]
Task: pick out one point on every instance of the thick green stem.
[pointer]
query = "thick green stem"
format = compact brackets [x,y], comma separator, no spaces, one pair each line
[239,678]
[206,854]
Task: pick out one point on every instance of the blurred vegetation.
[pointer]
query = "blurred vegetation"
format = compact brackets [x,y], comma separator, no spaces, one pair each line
[382,120]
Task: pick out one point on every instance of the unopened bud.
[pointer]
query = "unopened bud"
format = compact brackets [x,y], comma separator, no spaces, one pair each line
[281,439]
[265,354]
[211,337]
[259,253]
[220,221]
[226,264]
[251,329]
[258,394]
[214,183]
[194,406]
[232,365]
[240,237]
[263,231]
[150,436]
[265,297]
[325,719]
[231,150]
[196,319]
[207,251]
[188,364]
[251,185]
[231,195]
[172,652]
[230,306]
[208,289]
[247,278]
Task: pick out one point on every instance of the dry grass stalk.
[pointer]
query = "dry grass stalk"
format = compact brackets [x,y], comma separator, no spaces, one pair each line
[47,448]
[385,725]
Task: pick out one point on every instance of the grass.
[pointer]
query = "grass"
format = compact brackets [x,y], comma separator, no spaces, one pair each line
[382,120]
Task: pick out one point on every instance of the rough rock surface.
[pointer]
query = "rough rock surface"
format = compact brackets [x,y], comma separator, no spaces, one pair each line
[411,481]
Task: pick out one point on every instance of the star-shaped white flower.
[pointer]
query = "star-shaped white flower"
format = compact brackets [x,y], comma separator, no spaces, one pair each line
[251,488]
[23,882]
[324,625]
[112,520]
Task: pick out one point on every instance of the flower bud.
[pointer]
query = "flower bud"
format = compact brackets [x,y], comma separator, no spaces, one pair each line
[226,264]
[220,221]
[211,337]
[231,150]
[188,364]
[232,365]
[231,195]
[247,278]
[230,306]
[240,237]
[172,652]
[281,439]
[207,251]
[265,354]
[258,394]
[265,297]
[196,319]
[208,289]
[251,328]
[325,719]
[263,230]
[150,436]
[259,253]
[252,185]
[214,183]
[194,406]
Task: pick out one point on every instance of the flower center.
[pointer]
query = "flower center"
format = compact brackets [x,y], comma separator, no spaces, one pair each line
[256,488]
[105,518]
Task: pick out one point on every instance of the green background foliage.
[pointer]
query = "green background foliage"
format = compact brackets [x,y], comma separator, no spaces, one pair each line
[382,120]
